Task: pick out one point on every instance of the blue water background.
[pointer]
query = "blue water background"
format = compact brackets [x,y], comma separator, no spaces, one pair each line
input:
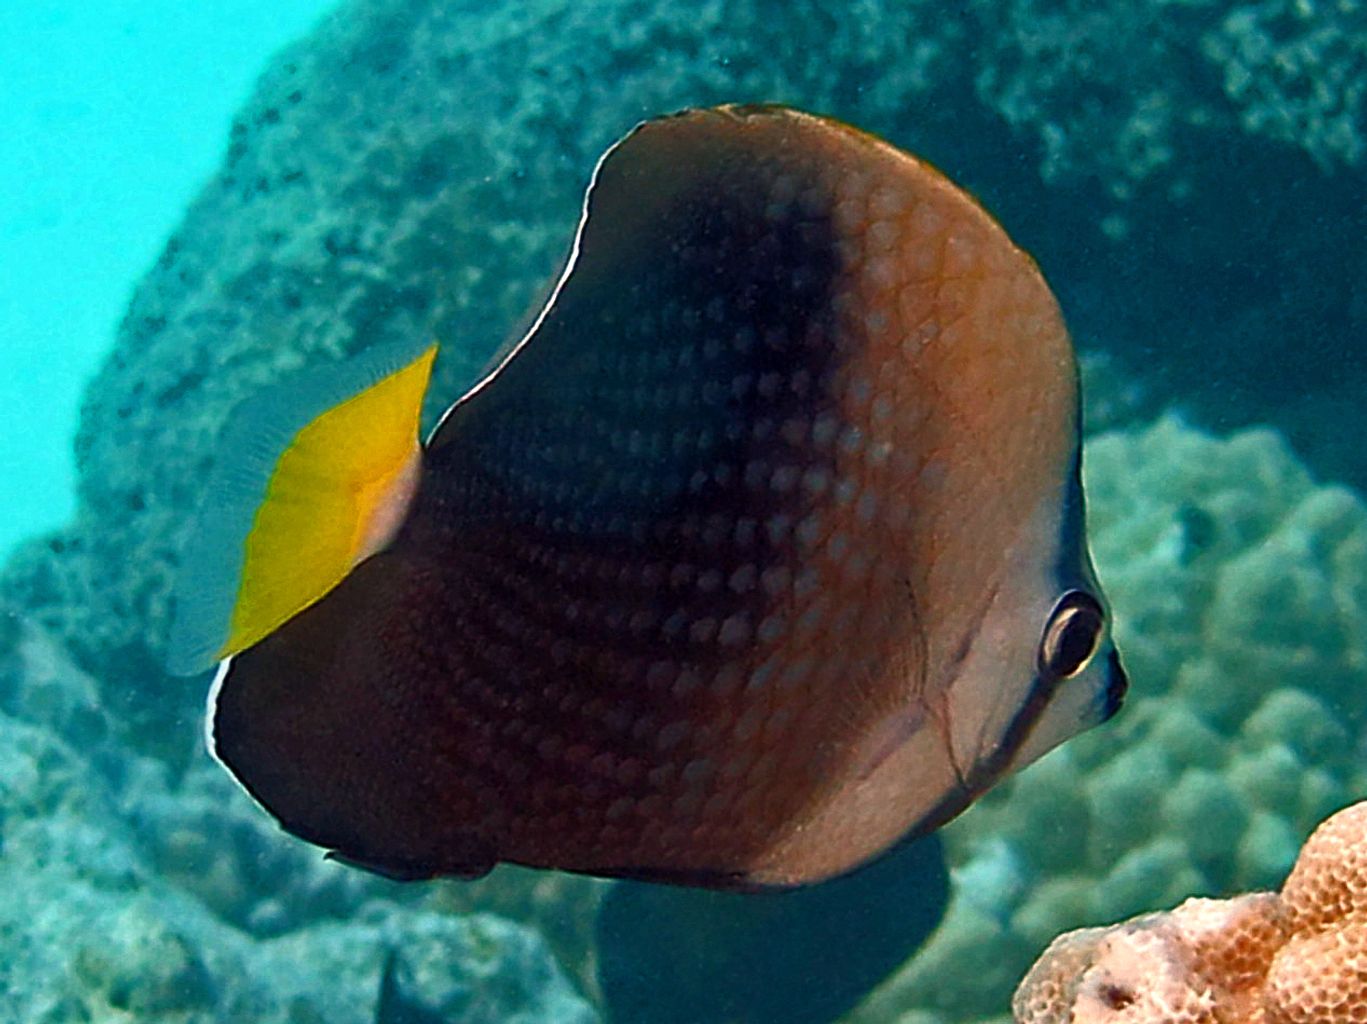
[114,114]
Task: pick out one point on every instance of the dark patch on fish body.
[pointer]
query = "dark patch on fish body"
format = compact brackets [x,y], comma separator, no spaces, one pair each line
[672,567]
[634,568]
[583,527]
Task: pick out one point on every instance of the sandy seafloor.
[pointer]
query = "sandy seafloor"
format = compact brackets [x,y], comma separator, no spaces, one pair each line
[114,114]
[1189,176]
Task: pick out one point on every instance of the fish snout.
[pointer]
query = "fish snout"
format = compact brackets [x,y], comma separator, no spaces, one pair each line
[1116,685]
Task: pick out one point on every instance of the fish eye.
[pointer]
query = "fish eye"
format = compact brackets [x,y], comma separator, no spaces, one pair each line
[1072,635]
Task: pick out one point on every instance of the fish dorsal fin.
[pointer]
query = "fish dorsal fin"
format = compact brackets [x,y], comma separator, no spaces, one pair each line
[313,476]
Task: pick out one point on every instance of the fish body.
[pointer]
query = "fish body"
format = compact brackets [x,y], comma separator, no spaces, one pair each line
[761,551]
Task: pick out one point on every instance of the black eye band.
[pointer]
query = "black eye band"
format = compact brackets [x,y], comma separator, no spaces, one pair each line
[1072,635]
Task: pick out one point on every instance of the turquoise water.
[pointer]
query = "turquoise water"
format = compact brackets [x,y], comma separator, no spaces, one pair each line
[198,200]
[115,115]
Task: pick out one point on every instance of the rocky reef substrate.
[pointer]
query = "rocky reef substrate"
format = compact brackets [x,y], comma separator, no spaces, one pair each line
[130,895]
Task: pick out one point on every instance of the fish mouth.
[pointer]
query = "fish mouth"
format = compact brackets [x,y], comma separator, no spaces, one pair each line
[1117,685]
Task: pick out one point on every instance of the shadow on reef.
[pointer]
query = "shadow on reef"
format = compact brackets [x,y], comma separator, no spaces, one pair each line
[688,956]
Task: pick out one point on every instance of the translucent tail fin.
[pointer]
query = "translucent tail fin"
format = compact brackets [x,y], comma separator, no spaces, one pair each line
[313,476]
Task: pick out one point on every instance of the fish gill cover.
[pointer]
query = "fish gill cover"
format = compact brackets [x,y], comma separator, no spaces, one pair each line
[1190,175]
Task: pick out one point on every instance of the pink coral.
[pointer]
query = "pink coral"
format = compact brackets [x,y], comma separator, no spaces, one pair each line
[1298,957]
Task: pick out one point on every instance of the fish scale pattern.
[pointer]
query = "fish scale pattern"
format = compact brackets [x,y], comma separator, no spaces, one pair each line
[663,605]
[664,540]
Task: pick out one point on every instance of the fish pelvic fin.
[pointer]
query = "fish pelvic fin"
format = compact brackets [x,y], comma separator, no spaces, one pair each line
[313,476]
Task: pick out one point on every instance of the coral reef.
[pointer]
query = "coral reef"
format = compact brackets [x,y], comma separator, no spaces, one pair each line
[1240,589]
[1294,72]
[127,898]
[413,168]
[1287,70]
[1293,958]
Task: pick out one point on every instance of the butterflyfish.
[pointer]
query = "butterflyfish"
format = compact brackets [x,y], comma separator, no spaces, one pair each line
[761,551]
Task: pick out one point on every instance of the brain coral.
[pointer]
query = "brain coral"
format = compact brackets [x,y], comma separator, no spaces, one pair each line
[1295,958]
[1240,590]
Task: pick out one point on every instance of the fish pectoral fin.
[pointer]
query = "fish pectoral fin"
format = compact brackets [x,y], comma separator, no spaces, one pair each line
[313,476]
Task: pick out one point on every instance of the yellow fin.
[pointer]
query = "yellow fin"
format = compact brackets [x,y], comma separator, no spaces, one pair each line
[314,476]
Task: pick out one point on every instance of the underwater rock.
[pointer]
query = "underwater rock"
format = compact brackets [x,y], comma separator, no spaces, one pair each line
[1240,588]
[94,925]
[198,829]
[1169,118]
[1289,958]
[1288,71]
[202,834]
[413,168]
[1293,71]
[474,969]
[560,907]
